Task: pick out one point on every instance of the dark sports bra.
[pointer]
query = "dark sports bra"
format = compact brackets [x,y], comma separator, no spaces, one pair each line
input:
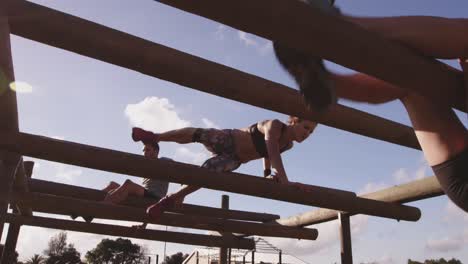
[258,139]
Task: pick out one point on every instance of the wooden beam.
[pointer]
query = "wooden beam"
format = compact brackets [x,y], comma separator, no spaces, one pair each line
[53,28]
[297,25]
[71,191]
[8,104]
[68,206]
[148,234]
[8,114]
[7,175]
[345,238]
[137,165]
[24,168]
[23,174]
[10,243]
[414,191]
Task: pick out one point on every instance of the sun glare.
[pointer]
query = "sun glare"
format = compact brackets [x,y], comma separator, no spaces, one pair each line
[21,87]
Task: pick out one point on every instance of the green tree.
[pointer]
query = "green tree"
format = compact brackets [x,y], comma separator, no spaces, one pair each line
[121,251]
[436,261]
[36,259]
[177,258]
[59,252]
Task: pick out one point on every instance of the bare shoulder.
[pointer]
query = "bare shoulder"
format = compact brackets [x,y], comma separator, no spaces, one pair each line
[271,127]
[271,123]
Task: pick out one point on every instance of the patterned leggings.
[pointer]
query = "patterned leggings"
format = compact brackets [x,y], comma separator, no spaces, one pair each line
[221,144]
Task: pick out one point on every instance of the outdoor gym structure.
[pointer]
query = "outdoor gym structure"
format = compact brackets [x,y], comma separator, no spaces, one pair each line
[25,195]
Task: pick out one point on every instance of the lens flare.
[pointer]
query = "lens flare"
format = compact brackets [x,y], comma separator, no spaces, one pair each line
[21,87]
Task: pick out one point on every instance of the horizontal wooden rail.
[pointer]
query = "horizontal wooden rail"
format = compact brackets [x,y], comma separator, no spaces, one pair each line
[148,234]
[414,191]
[70,206]
[71,191]
[77,35]
[137,165]
[295,24]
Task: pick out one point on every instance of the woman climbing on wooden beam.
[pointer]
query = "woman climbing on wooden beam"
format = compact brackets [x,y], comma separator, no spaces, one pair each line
[232,147]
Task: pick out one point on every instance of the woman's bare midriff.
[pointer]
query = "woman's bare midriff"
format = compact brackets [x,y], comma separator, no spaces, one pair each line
[245,148]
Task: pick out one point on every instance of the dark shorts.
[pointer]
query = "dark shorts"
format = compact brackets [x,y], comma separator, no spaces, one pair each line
[221,144]
[453,178]
[150,195]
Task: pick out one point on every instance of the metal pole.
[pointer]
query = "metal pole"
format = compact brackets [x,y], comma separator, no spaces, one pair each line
[157,259]
[223,252]
[253,256]
[164,258]
[345,235]
[280,257]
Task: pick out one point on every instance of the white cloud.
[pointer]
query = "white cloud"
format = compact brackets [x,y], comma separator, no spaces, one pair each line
[383,260]
[372,187]
[189,155]
[220,33]
[209,124]
[327,239]
[262,46]
[266,48]
[328,236]
[401,175]
[66,174]
[57,172]
[454,214]
[445,244]
[359,224]
[155,114]
[247,39]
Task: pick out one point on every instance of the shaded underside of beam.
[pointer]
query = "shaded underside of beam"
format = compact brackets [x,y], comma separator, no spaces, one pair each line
[114,230]
[295,24]
[69,206]
[54,28]
[60,189]
[136,165]
[414,191]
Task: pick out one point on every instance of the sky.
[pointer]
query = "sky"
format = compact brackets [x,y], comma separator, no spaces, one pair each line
[83,100]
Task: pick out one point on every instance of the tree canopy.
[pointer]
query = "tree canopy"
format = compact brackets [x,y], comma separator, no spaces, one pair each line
[59,252]
[116,251]
[177,258]
[436,261]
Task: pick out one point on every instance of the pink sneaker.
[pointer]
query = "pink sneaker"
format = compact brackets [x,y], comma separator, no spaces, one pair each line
[147,137]
[156,210]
